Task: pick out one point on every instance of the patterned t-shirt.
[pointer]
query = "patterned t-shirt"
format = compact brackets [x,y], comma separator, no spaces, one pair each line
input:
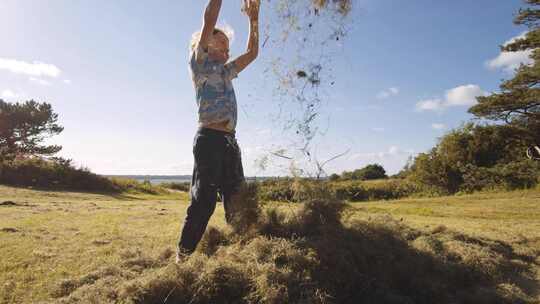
[214,90]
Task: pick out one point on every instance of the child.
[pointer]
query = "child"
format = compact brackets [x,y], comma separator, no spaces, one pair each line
[218,164]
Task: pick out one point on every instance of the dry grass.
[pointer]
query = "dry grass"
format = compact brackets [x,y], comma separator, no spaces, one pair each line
[97,249]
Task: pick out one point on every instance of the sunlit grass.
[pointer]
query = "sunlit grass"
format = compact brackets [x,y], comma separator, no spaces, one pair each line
[48,237]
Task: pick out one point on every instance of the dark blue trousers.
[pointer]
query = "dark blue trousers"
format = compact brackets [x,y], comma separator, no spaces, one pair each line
[217,169]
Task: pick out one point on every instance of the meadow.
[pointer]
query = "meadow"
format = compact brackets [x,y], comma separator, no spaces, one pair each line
[70,247]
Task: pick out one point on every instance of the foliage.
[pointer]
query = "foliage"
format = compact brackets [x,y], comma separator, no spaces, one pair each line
[276,189]
[334,177]
[518,102]
[185,186]
[387,189]
[434,174]
[296,190]
[134,186]
[510,176]
[24,127]
[474,157]
[59,173]
[369,172]
[54,174]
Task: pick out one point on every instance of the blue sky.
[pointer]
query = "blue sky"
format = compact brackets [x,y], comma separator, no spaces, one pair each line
[116,72]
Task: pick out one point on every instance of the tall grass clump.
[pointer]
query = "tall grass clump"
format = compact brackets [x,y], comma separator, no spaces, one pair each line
[183,186]
[384,189]
[318,254]
[135,186]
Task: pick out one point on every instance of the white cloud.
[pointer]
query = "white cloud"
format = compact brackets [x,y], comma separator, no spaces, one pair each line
[8,94]
[438,126]
[392,159]
[11,95]
[388,93]
[40,81]
[510,61]
[464,95]
[35,69]
[392,152]
[377,129]
[430,105]
[67,81]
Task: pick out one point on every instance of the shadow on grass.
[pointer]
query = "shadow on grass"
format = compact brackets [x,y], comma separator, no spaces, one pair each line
[119,195]
[125,196]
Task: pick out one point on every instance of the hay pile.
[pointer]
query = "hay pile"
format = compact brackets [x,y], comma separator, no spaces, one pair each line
[316,255]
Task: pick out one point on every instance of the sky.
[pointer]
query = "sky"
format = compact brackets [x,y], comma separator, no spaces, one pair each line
[116,73]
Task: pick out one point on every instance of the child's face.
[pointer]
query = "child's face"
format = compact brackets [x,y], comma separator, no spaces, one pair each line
[218,48]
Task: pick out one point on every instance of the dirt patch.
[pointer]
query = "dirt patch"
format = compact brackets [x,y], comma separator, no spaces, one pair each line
[101,242]
[14,204]
[9,230]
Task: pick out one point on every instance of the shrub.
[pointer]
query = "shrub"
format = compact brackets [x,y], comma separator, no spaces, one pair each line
[132,185]
[472,158]
[296,190]
[185,186]
[369,172]
[387,189]
[53,174]
[278,189]
[433,174]
[58,173]
[334,177]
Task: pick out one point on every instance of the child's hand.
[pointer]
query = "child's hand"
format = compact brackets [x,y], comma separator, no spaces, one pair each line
[251,8]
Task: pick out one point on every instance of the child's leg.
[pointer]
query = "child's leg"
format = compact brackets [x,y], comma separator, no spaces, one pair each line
[208,152]
[233,177]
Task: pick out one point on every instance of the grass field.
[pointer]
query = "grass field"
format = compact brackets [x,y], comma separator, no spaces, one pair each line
[52,243]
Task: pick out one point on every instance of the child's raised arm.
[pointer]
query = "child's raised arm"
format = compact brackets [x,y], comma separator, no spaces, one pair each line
[211,15]
[251,8]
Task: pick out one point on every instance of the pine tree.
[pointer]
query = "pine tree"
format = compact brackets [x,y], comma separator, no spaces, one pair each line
[518,103]
[24,127]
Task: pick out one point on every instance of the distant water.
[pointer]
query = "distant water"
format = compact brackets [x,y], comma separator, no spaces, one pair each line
[156,179]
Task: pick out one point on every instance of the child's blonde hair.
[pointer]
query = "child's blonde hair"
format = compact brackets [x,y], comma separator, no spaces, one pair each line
[227,31]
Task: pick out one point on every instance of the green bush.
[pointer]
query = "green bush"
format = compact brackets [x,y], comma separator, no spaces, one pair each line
[387,189]
[51,174]
[369,172]
[511,176]
[132,185]
[185,186]
[60,174]
[474,158]
[278,189]
[294,190]
[334,177]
